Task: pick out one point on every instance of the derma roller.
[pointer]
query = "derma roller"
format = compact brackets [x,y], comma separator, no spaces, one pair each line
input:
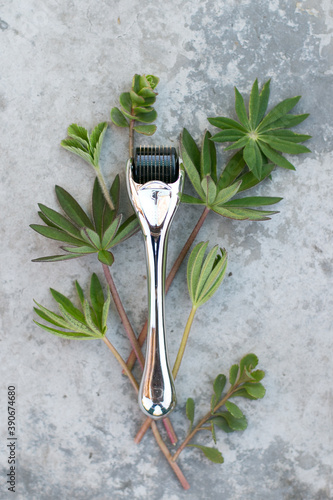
[155,180]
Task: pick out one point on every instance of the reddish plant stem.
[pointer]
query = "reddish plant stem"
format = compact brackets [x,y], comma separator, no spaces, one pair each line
[156,433]
[142,337]
[169,457]
[123,316]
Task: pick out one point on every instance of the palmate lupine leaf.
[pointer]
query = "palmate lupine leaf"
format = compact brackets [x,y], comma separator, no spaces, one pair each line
[262,138]
[204,275]
[87,146]
[217,192]
[86,236]
[90,323]
[136,105]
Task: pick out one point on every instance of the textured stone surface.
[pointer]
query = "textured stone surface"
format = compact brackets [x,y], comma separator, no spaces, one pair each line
[67,61]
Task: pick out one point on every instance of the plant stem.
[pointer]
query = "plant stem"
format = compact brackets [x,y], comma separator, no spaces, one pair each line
[156,433]
[183,343]
[145,426]
[122,363]
[103,186]
[169,457]
[172,274]
[203,421]
[131,138]
[123,316]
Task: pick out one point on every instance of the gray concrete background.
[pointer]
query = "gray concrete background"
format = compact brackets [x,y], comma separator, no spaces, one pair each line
[65,61]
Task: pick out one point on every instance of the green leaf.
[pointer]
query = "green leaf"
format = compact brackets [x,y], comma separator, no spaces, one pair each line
[73,323]
[146,117]
[118,118]
[228,135]
[234,410]
[146,92]
[205,161]
[50,316]
[97,298]
[287,135]
[44,316]
[136,83]
[152,80]
[115,194]
[89,320]
[226,123]
[214,280]
[46,220]
[285,121]
[206,269]
[105,310]
[249,180]
[79,292]
[232,170]
[278,111]
[209,188]
[77,148]
[254,105]
[239,213]
[275,157]
[253,201]
[212,454]
[56,234]
[233,373]
[242,394]
[105,257]
[263,101]
[136,99]
[256,390]
[249,361]
[213,161]
[191,148]
[236,424]
[240,109]
[258,375]
[186,198]
[253,158]
[193,174]
[66,335]
[80,133]
[145,129]
[190,406]
[219,384]
[91,237]
[194,268]
[222,423]
[126,101]
[85,250]
[110,233]
[212,428]
[67,305]
[225,194]
[60,221]
[55,258]
[98,205]
[284,146]
[126,230]
[239,144]
[96,140]
[71,207]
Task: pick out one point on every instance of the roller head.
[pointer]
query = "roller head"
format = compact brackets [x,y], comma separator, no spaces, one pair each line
[155,163]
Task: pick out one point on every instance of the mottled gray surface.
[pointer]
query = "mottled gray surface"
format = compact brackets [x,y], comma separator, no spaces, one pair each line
[66,60]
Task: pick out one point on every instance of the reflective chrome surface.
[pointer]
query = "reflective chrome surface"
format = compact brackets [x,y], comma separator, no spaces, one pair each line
[155,204]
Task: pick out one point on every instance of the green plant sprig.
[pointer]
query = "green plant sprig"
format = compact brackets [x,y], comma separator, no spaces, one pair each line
[86,235]
[217,193]
[204,276]
[244,382]
[136,106]
[262,138]
[88,147]
[91,323]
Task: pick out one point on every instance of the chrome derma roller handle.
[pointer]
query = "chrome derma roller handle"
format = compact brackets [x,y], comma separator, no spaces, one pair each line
[155,181]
